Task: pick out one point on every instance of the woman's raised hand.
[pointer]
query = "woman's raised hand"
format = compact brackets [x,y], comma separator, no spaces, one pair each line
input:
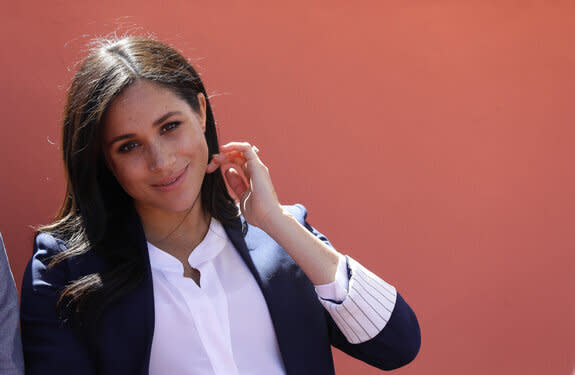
[249,180]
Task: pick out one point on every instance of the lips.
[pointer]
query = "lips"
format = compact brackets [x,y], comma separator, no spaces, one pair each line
[171,182]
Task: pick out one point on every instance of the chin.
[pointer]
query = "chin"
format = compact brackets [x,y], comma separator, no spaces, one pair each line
[181,205]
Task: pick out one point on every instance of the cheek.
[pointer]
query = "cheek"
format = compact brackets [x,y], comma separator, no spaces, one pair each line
[197,148]
[127,175]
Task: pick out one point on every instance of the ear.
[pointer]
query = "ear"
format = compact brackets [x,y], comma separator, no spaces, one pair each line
[202,110]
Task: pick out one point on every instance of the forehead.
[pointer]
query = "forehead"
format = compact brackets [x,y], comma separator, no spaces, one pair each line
[141,104]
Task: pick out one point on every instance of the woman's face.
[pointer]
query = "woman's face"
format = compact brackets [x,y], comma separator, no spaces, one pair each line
[154,144]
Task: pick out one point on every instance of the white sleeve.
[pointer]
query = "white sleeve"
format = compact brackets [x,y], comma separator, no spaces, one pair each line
[362,308]
[336,291]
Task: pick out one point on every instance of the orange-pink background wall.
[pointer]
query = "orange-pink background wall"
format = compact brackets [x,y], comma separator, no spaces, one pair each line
[432,140]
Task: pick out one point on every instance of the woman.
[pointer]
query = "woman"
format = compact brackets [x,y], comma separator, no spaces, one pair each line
[150,268]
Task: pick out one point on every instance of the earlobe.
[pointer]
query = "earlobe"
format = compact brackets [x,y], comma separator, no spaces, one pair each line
[202,110]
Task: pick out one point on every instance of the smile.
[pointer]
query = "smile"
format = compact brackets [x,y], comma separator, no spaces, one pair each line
[172,182]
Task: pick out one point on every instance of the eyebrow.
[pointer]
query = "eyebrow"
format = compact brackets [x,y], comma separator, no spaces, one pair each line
[165,117]
[160,120]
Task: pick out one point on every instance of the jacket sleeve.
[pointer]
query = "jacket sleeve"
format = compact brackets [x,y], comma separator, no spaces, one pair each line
[373,323]
[50,346]
[10,347]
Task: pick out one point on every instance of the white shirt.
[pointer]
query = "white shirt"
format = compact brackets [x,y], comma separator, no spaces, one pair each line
[220,327]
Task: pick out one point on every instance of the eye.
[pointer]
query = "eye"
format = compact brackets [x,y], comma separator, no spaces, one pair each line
[127,147]
[169,126]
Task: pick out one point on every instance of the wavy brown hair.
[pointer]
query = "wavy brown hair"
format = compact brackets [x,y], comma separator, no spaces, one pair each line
[95,204]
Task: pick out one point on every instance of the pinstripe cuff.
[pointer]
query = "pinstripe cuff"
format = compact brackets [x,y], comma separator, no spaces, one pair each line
[366,309]
[336,291]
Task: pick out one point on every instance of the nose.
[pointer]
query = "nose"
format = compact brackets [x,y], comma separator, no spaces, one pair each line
[160,157]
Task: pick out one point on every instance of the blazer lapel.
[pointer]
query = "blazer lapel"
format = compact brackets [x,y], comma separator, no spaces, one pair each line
[291,300]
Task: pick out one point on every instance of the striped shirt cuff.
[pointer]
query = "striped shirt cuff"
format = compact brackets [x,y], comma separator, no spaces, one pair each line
[367,307]
[336,291]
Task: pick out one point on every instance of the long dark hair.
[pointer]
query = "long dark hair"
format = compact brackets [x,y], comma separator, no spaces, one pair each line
[95,203]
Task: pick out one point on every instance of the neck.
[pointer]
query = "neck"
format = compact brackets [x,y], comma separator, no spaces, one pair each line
[177,233]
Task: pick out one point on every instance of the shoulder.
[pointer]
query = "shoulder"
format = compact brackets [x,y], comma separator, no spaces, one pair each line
[7,287]
[40,272]
[254,236]
[43,271]
[47,244]
[298,210]
[4,265]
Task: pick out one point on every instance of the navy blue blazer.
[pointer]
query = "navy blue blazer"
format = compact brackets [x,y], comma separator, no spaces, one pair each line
[304,329]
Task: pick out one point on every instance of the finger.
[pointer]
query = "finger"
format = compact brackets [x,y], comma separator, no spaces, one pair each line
[234,157]
[236,183]
[230,157]
[212,166]
[238,161]
[244,147]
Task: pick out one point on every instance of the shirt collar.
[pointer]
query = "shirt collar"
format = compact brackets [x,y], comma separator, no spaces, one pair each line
[213,243]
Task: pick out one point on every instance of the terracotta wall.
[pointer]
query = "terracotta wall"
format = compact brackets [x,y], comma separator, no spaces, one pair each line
[432,140]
